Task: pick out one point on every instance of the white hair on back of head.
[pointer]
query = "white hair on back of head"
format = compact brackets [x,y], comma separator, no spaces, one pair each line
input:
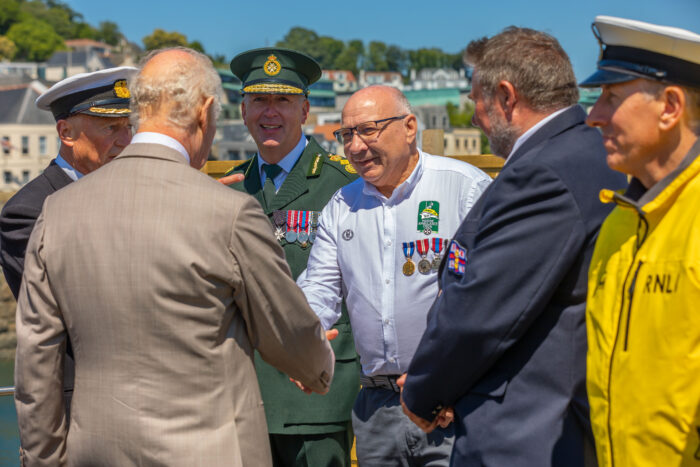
[184,87]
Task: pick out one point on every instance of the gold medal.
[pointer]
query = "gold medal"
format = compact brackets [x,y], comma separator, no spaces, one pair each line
[409,267]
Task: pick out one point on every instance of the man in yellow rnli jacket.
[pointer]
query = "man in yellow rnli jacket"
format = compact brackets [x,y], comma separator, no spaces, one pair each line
[643,311]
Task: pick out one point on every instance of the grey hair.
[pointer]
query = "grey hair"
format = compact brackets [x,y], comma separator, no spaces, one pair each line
[183,87]
[532,61]
[654,89]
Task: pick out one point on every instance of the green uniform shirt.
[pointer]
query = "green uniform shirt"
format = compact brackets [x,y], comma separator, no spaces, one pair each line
[308,187]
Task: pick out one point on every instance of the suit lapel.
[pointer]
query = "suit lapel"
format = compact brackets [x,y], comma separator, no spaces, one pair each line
[295,184]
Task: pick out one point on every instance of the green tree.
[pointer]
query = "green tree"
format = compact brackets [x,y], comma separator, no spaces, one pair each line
[397,59]
[352,56]
[301,39]
[109,33]
[329,49]
[376,57]
[8,49]
[160,38]
[196,45]
[9,14]
[84,31]
[35,40]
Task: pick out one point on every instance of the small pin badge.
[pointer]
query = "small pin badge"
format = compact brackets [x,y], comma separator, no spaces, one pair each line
[348,234]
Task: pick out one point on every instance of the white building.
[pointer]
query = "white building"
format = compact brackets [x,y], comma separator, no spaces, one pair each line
[438,78]
[28,139]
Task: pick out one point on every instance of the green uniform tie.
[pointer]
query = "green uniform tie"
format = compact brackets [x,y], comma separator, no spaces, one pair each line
[269,191]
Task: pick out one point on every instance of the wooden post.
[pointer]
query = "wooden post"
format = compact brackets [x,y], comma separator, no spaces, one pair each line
[434,142]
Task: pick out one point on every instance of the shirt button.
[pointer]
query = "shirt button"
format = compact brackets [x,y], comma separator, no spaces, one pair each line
[392,359]
[387,281]
[388,243]
[386,321]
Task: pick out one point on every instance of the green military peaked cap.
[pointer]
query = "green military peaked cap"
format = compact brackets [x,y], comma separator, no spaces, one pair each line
[273,70]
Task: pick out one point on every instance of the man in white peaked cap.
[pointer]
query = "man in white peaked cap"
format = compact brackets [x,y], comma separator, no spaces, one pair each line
[643,301]
[92,121]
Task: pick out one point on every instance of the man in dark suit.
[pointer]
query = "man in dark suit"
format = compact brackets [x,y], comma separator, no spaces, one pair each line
[293,178]
[92,121]
[505,344]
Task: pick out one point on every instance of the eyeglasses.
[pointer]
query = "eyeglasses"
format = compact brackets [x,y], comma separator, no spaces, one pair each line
[364,130]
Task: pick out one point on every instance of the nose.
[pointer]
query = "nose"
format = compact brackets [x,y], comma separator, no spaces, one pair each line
[356,144]
[596,117]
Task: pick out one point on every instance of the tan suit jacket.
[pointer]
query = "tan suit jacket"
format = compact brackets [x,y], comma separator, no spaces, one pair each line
[165,281]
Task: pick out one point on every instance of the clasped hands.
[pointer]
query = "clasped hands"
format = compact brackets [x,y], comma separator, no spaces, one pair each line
[330,335]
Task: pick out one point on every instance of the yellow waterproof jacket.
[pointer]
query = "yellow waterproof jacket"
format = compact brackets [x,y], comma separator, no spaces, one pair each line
[643,323]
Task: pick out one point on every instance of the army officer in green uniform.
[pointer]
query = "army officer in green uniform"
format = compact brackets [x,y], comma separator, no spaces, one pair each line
[294,178]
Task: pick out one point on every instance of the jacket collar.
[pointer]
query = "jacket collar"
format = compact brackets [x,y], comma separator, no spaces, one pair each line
[152,151]
[572,116]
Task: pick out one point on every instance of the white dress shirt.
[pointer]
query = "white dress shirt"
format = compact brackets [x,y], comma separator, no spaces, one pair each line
[287,164]
[358,255]
[164,140]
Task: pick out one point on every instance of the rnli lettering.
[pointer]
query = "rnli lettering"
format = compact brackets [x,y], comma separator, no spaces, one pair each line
[661,283]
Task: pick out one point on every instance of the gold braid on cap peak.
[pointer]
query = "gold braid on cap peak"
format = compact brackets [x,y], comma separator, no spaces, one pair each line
[101,110]
[272,89]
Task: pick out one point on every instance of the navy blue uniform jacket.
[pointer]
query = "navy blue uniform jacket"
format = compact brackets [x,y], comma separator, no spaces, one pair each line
[506,341]
[18,217]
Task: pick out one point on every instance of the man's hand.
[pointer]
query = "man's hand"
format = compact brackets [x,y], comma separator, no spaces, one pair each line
[444,418]
[330,335]
[231,179]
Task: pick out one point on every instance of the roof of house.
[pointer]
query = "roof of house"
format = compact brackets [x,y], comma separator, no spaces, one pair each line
[87,43]
[333,74]
[326,130]
[76,58]
[17,105]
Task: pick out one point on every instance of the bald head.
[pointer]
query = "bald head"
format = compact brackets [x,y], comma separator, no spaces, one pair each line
[382,147]
[391,99]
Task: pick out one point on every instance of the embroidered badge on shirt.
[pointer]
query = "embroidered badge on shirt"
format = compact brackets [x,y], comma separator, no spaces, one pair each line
[457,259]
[428,217]
[347,235]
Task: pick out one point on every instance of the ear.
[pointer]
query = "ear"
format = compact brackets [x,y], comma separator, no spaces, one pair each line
[506,97]
[205,114]
[305,110]
[673,100]
[66,132]
[243,109]
[411,128]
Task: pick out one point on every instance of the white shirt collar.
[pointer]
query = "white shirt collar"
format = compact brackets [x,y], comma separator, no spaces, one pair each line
[67,168]
[533,129]
[403,190]
[164,140]
[288,161]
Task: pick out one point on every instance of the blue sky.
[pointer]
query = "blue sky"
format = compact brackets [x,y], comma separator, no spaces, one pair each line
[230,27]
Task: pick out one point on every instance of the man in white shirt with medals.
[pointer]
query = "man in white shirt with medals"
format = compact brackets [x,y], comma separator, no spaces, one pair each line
[407,202]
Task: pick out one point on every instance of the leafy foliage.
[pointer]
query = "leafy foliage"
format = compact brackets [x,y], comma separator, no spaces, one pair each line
[160,38]
[36,40]
[8,49]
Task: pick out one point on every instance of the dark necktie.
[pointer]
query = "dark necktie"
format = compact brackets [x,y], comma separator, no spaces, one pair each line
[271,171]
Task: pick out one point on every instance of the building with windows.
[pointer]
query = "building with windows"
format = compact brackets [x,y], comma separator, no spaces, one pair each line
[387,78]
[343,80]
[28,139]
[463,142]
[438,78]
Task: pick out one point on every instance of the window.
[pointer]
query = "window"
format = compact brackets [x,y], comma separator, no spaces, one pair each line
[42,145]
[6,145]
[25,176]
[8,177]
[457,143]
[25,145]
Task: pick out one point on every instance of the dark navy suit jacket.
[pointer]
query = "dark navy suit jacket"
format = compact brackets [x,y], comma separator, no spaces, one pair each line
[506,341]
[18,217]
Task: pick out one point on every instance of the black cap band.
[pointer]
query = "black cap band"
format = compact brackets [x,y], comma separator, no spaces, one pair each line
[651,65]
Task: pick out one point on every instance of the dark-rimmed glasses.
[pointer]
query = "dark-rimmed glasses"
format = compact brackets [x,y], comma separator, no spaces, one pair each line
[364,130]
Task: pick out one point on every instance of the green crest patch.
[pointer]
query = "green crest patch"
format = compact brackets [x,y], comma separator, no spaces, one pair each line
[428,217]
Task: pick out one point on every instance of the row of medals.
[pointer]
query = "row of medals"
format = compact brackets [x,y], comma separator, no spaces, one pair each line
[424,265]
[305,238]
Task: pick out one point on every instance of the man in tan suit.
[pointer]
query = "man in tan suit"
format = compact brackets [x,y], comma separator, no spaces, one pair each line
[175,279]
